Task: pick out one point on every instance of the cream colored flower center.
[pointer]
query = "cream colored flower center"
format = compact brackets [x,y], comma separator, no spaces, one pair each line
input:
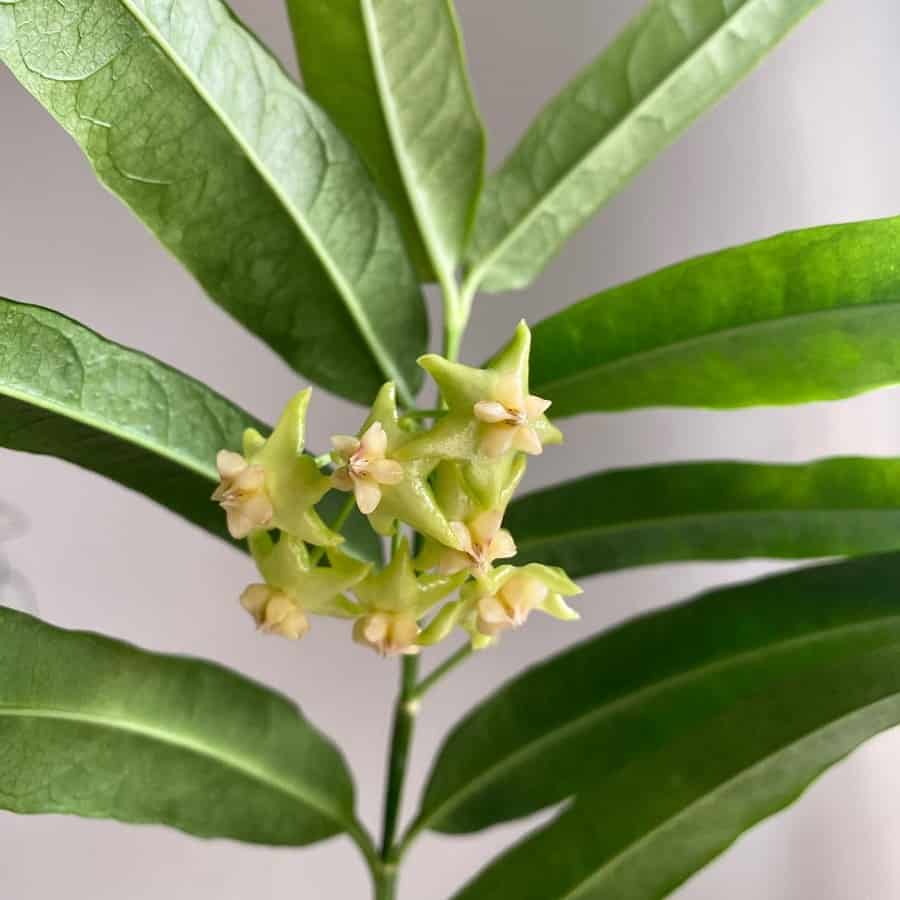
[365,466]
[388,634]
[275,611]
[242,494]
[509,417]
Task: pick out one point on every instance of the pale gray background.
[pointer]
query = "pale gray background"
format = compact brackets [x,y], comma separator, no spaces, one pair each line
[812,137]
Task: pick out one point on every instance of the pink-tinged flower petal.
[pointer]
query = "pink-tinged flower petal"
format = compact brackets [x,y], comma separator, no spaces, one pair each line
[502,546]
[250,480]
[463,537]
[509,392]
[535,407]
[341,479]
[230,464]
[344,445]
[497,440]
[492,616]
[523,594]
[239,524]
[485,526]
[490,411]
[373,443]
[527,440]
[452,561]
[368,495]
[386,471]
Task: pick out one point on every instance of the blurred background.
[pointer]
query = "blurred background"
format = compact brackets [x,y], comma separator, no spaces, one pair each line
[811,137]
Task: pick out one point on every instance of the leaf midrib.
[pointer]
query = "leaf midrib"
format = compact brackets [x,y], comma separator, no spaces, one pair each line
[540,743]
[479,271]
[344,290]
[239,764]
[693,518]
[395,133]
[743,329]
[719,789]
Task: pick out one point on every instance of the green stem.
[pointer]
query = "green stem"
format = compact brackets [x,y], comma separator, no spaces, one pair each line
[386,884]
[443,669]
[401,738]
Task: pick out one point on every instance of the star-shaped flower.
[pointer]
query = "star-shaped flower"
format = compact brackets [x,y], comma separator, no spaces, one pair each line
[509,594]
[490,416]
[394,599]
[482,541]
[363,467]
[404,491]
[294,588]
[274,484]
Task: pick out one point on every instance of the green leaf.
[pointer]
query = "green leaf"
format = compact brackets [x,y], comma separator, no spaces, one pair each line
[67,392]
[98,728]
[670,64]
[192,123]
[710,510]
[804,316]
[741,682]
[392,75]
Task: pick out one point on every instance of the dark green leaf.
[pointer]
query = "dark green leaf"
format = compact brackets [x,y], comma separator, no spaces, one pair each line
[674,61]
[98,728]
[711,510]
[67,392]
[804,316]
[678,695]
[392,75]
[197,128]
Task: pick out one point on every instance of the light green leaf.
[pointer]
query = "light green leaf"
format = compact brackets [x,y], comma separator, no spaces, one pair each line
[392,75]
[67,392]
[710,510]
[804,316]
[95,727]
[691,723]
[196,127]
[671,63]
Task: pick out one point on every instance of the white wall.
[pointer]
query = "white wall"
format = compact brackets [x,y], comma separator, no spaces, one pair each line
[812,137]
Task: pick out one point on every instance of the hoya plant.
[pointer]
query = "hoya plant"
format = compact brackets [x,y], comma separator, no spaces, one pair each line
[315,215]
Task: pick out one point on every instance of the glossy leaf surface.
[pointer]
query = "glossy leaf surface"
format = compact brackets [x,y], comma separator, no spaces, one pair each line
[710,511]
[670,64]
[69,393]
[95,727]
[805,316]
[392,75]
[196,127]
[728,685]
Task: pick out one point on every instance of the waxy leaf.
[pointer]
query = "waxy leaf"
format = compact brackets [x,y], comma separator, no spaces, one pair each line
[691,723]
[672,62]
[710,510]
[98,728]
[67,392]
[788,676]
[805,316]
[196,127]
[392,75]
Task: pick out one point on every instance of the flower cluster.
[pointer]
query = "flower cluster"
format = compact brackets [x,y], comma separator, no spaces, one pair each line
[451,483]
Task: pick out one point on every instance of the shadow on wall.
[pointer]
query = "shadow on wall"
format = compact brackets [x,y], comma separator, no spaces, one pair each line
[15,591]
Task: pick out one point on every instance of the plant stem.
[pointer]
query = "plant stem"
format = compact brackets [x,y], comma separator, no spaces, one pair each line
[443,669]
[401,738]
